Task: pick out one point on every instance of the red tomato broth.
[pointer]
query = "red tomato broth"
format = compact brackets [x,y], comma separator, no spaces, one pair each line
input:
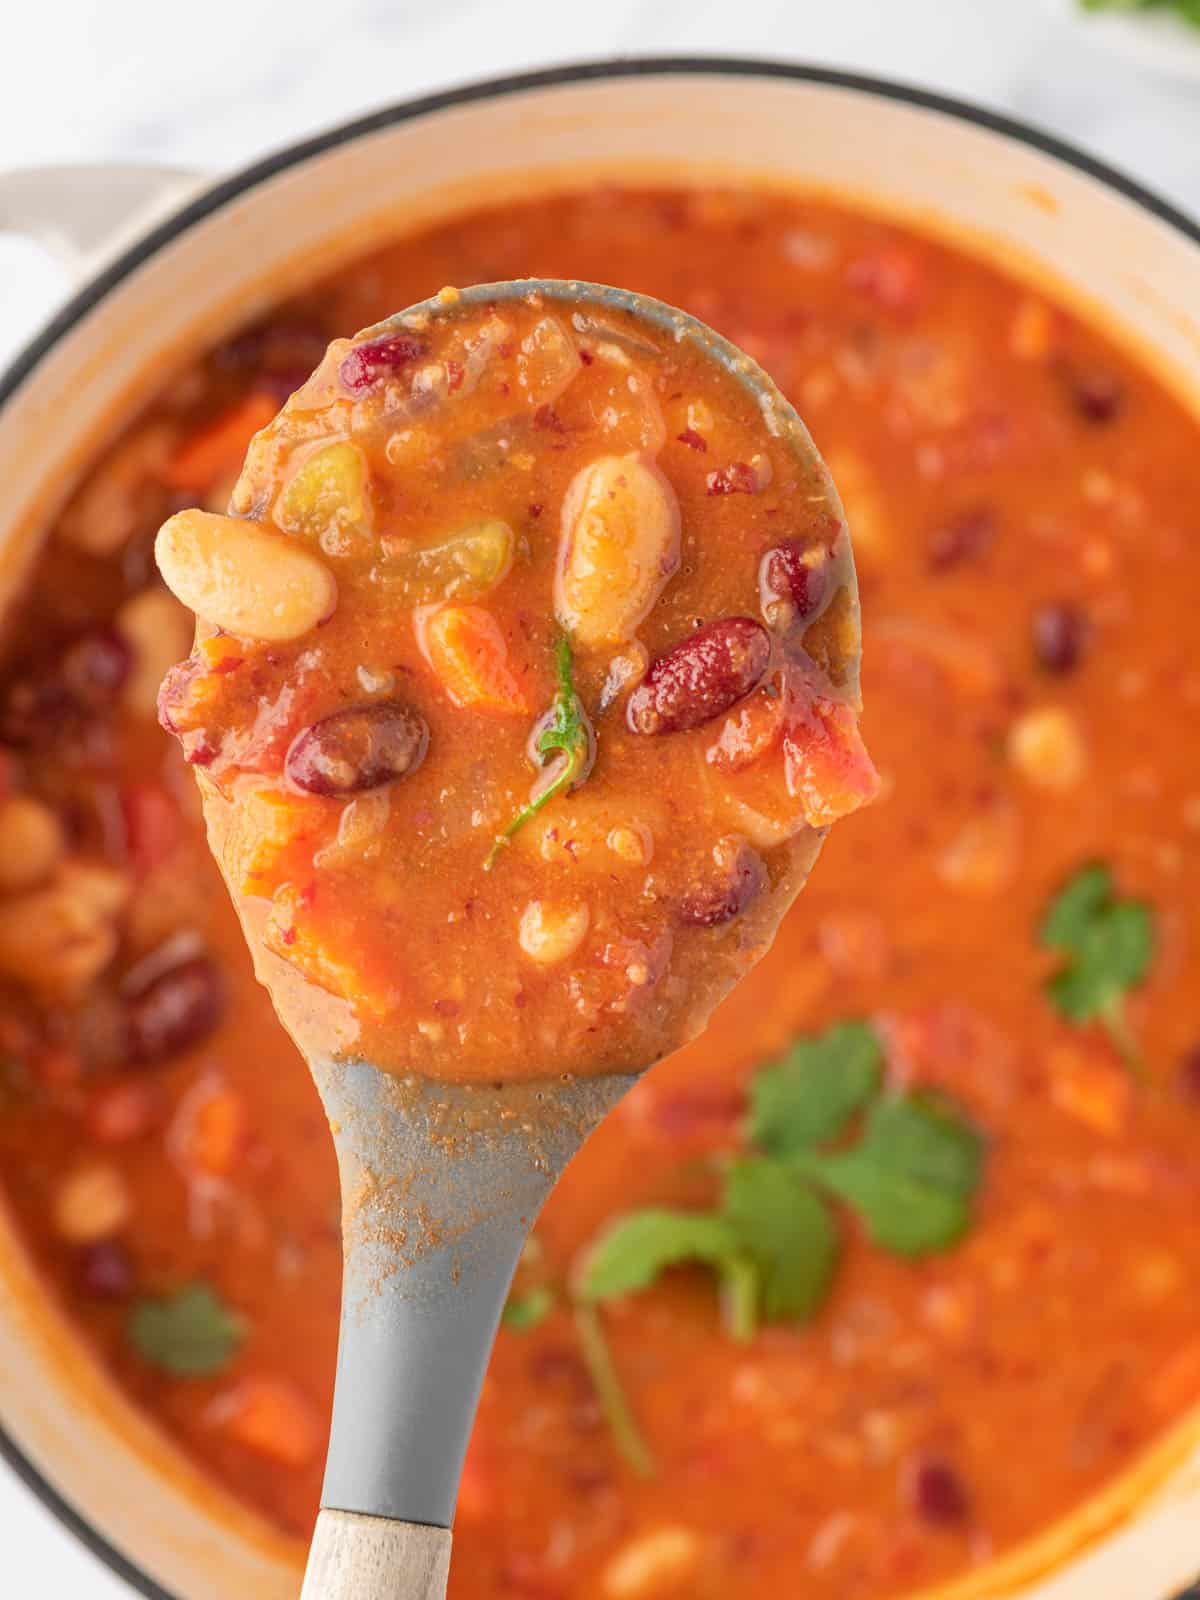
[945,397]
[392,829]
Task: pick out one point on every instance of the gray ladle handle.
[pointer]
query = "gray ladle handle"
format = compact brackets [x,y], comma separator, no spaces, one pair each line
[440,1184]
[371,1558]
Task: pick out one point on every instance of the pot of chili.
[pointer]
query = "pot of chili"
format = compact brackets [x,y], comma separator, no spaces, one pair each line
[962,1363]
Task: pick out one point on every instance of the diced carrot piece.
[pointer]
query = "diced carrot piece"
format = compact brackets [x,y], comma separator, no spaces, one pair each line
[210,1129]
[465,647]
[221,652]
[267,823]
[271,1417]
[748,733]
[366,977]
[1092,1090]
[828,768]
[217,451]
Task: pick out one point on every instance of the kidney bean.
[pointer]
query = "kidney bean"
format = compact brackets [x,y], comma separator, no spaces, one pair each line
[104,1270]
[87,677]
[792,578]
[175,1011]
[965,538]
[937,1492]
[1098,396]
[379,358]
[359,748]
[1189,1076]
[735,877]
[700,677]
[1059,637]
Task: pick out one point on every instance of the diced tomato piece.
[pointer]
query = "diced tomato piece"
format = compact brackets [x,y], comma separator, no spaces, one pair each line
[466,649]
[828,768]
[124,1111]
[151,825]
[892,276]
[216,451]
[273,1418]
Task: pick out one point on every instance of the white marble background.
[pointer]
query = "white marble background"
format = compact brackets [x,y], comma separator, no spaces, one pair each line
[213,85]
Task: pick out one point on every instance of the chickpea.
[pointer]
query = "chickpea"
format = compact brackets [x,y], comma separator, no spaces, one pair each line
[550,934]
[93,1203]
[56,939]
[1047,748]
[31,843]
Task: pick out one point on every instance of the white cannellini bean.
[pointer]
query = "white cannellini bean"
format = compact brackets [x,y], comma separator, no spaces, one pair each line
[652,1563]
[549,934]
[158,632]
[237,576]
[619,545]
[93,1203]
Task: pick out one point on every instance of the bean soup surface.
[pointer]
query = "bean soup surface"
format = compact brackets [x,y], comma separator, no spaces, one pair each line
[998,960]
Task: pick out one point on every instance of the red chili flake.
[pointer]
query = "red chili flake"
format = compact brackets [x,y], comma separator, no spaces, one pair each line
[447,1008]
[307,896]
[228,664]
[454,375]
[201,752]
[287,936]
[586,357]
[737,478]
[364,363]
[546,417]
[694,441]
[535,509]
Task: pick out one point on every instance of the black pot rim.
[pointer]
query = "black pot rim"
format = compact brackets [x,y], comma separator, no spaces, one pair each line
[229,189]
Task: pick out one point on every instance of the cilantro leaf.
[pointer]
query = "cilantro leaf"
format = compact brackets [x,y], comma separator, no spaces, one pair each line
[1108,943]
[810,1094]
[1187,10]
[912,1175]
[190,1334]
[786,1229]
[522,1312]
[638,1247]
[566,734]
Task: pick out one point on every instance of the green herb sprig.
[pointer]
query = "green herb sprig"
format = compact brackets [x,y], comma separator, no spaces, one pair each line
[567,735]
[822,1130]
[1108,945]
[1188,10]
[190,1334]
